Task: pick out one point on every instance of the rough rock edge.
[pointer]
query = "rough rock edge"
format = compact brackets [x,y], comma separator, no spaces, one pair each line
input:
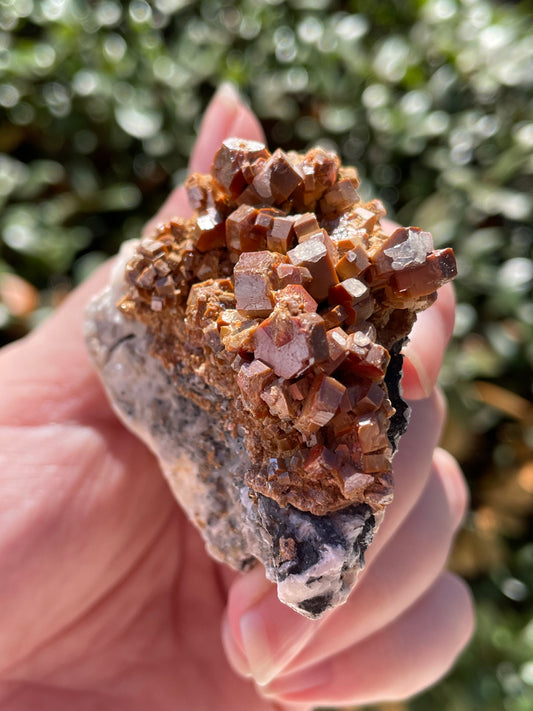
[238,529]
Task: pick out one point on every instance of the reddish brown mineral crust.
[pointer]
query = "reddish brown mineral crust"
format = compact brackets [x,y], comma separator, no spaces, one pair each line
[305,225]
[321,404]
[417,281]
[255,279]
[210,229]
[240,233]
[232,163]
[291,274]
[281,235]
[352,263]
[287,549]
[354,296]
[284,294]
[313,255]
[339,197]
[291,344]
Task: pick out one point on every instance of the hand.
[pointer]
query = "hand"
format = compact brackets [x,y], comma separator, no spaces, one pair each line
[108,599]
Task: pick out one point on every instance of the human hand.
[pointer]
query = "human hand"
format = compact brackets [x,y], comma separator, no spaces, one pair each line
[108,599]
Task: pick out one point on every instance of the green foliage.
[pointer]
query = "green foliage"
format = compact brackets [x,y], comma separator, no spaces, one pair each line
[430,99]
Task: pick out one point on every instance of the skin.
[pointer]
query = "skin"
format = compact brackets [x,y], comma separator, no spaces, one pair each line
[108,600]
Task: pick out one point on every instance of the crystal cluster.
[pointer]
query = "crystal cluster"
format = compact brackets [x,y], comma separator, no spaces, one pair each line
[255,348]
[284,293]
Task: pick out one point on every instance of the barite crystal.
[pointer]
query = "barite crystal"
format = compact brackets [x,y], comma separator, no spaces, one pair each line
[256,349]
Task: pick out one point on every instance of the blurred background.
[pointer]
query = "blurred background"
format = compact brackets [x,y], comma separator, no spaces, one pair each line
[431,100]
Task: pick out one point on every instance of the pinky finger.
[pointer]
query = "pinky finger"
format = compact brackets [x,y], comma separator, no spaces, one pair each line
[395,663]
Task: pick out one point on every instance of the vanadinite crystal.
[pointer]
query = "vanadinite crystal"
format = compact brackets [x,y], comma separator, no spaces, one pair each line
[279,311]
[277,265]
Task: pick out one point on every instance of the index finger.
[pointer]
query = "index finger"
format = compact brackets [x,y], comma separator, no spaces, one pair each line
[425,350]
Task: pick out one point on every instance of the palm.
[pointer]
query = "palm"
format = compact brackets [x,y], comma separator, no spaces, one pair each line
[106,608]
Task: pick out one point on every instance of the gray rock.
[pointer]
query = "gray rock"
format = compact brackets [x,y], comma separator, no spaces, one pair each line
[205,467]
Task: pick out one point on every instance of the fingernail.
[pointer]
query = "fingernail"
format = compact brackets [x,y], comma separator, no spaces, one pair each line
[417,373]
[454,485]
[300,683]
[270,646]
[233,653]
[227,93]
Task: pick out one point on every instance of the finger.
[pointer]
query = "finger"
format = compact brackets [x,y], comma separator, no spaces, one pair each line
[454,481]
[396,662]
[271,638]
[412,464]
[225,116]
[428,340]
[403,571]
[235,656]
[239,664]
[267,633]
[388,225]
[47,375]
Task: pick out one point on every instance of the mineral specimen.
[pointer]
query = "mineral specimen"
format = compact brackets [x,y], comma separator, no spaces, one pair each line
[256,349]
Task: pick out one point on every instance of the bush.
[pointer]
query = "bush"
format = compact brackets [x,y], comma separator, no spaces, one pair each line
[430,99]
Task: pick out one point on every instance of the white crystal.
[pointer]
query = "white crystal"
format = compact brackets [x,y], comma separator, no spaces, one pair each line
[412,251]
